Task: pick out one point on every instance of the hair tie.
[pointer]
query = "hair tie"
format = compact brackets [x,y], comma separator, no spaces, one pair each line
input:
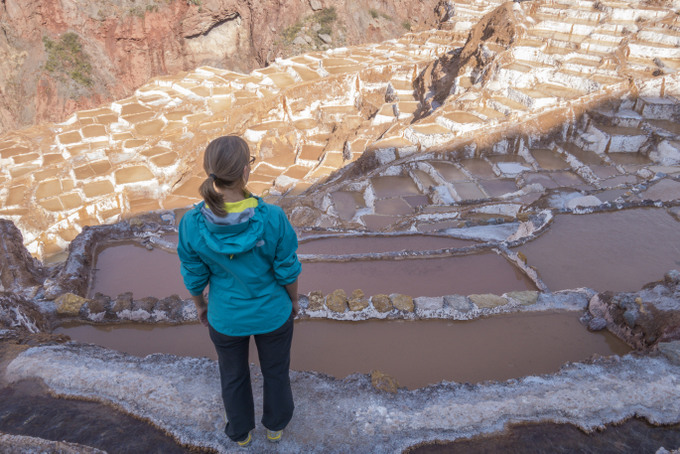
[212,175]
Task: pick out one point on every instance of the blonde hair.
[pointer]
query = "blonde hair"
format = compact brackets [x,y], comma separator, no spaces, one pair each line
[223,161]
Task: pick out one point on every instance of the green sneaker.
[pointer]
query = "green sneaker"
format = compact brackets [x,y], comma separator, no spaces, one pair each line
[274,436]
[246,442]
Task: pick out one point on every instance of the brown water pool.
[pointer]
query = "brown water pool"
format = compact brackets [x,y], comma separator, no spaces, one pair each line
[417,353]
[358,245]
[618,251]
[464,275]
[129,267]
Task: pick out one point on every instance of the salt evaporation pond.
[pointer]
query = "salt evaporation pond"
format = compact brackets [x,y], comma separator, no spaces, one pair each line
[618,251]
[463,275]
[416,353]
[129,267]
[371,243]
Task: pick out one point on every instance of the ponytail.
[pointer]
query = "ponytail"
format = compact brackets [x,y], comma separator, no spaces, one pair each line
[212,198]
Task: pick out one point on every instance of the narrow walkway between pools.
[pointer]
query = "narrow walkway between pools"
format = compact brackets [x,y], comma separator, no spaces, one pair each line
[180,395]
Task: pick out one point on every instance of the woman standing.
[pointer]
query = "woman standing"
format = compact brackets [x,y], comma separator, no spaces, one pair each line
[245,250]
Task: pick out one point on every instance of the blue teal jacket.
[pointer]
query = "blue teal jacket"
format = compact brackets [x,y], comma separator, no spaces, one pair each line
[247,264]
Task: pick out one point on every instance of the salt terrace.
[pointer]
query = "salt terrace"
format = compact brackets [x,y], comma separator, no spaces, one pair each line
[568,104]
[490,129]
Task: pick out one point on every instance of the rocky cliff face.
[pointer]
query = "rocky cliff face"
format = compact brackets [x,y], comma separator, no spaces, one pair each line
[495,32]
[18,270]
[59,56]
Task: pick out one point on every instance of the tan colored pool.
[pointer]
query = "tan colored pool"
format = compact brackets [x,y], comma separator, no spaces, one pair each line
[417,353]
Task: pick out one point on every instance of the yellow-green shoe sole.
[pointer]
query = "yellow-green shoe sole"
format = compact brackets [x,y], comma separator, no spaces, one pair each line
[274,436]
[245,442]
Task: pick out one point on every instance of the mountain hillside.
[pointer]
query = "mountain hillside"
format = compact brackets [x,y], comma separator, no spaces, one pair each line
[60,56]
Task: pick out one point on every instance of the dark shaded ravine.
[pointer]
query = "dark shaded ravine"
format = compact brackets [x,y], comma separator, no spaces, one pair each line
[634,436]
[27,409]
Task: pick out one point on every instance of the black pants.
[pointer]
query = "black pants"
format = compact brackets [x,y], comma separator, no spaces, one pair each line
[273,349]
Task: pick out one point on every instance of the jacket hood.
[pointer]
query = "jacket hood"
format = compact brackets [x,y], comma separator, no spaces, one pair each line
[231,236]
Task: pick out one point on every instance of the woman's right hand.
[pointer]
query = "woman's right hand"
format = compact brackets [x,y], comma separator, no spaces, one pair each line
[292,290]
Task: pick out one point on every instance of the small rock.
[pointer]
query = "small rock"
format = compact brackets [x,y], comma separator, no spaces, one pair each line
[308,39]
[346,151]
[567,299]
[381,303]
[525,298]
[315,301]
[316,27]
[670,350]
[645,174]
[663,450]
[582,202]
[136,222]
[97,306]
[488,300]
[384,382]
[315,5]
[390,94]
[458,303]
[123,302]
[630,317]
[426,303]
[672,277]
[69,304]
[172,306]
[101,301]
[146,304]
[357,302]
[283,183]
[624,301]
[337,301]
[299,41]
[325,38]
[597,324]
[402,302]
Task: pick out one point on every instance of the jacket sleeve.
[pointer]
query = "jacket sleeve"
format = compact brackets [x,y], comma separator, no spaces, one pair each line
[287,267]
[195,272]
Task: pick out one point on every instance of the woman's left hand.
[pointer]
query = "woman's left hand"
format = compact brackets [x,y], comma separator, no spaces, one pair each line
[203,317]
